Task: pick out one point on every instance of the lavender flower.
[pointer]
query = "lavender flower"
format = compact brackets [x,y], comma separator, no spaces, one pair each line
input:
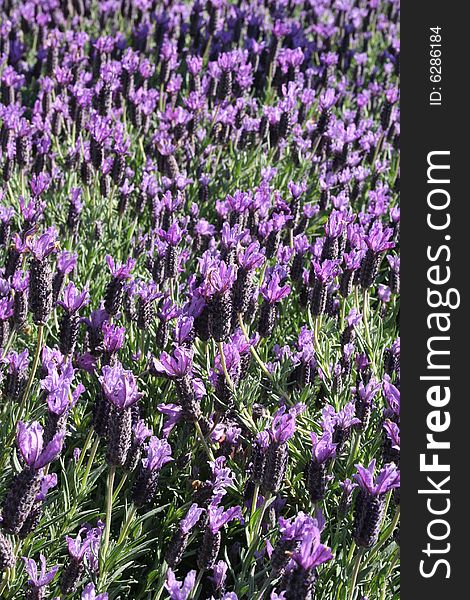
[217,518]
[25,486]
[158,453]
[38,580]
[179,541]
[323,451]
[370,502]
[178,590]
[40,278]
[89,593]
[120,389]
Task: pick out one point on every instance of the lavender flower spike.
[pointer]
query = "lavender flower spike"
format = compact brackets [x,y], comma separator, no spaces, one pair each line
[145,486]
[370,502]
[179,541]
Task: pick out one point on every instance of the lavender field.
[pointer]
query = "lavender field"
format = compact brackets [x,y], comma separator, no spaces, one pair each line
[199,299]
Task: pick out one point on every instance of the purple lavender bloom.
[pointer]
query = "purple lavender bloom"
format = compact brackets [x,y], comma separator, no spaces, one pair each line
[219,576]
[251,258]
[119,386]
[44,245]
[17,362]
[113,337]
[326,271]
[273,292]
[39,579]
[77,548]
[120,271]
[73,300]
[312,553]
[48,482]
[173,236]
[384,293]
[387,479]
[179,590]
[29,439]
[353,318]
[283,427]
[158,454]
[141,432]
[393,433]
[392,396]
[219,279]
[192,517]
[323,448]
[344,418]
[89,593]
[39,183]
[176,366]
[218,517]
[378,240]
[174,414]
[66,262]
[183,333]
[6,309]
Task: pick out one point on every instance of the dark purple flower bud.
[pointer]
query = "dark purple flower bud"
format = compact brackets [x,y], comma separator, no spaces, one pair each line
[120,389]
[258,456]
[7,556]
[6,312]
[75,209]
[40,279]
[115,288]
[16,374]
[20,284]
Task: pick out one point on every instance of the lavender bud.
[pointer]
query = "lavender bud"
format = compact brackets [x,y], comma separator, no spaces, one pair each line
[220,315]
[101,411]
[119,435]
[7,557]
[209,550]
[176,548]
[319,298]
[267,319]
[369,269]
[40,290]
[20,500]
[145,487]
[316,480]
[276,464]
[300,584]
[368,518]
[71,576]
[68,333]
